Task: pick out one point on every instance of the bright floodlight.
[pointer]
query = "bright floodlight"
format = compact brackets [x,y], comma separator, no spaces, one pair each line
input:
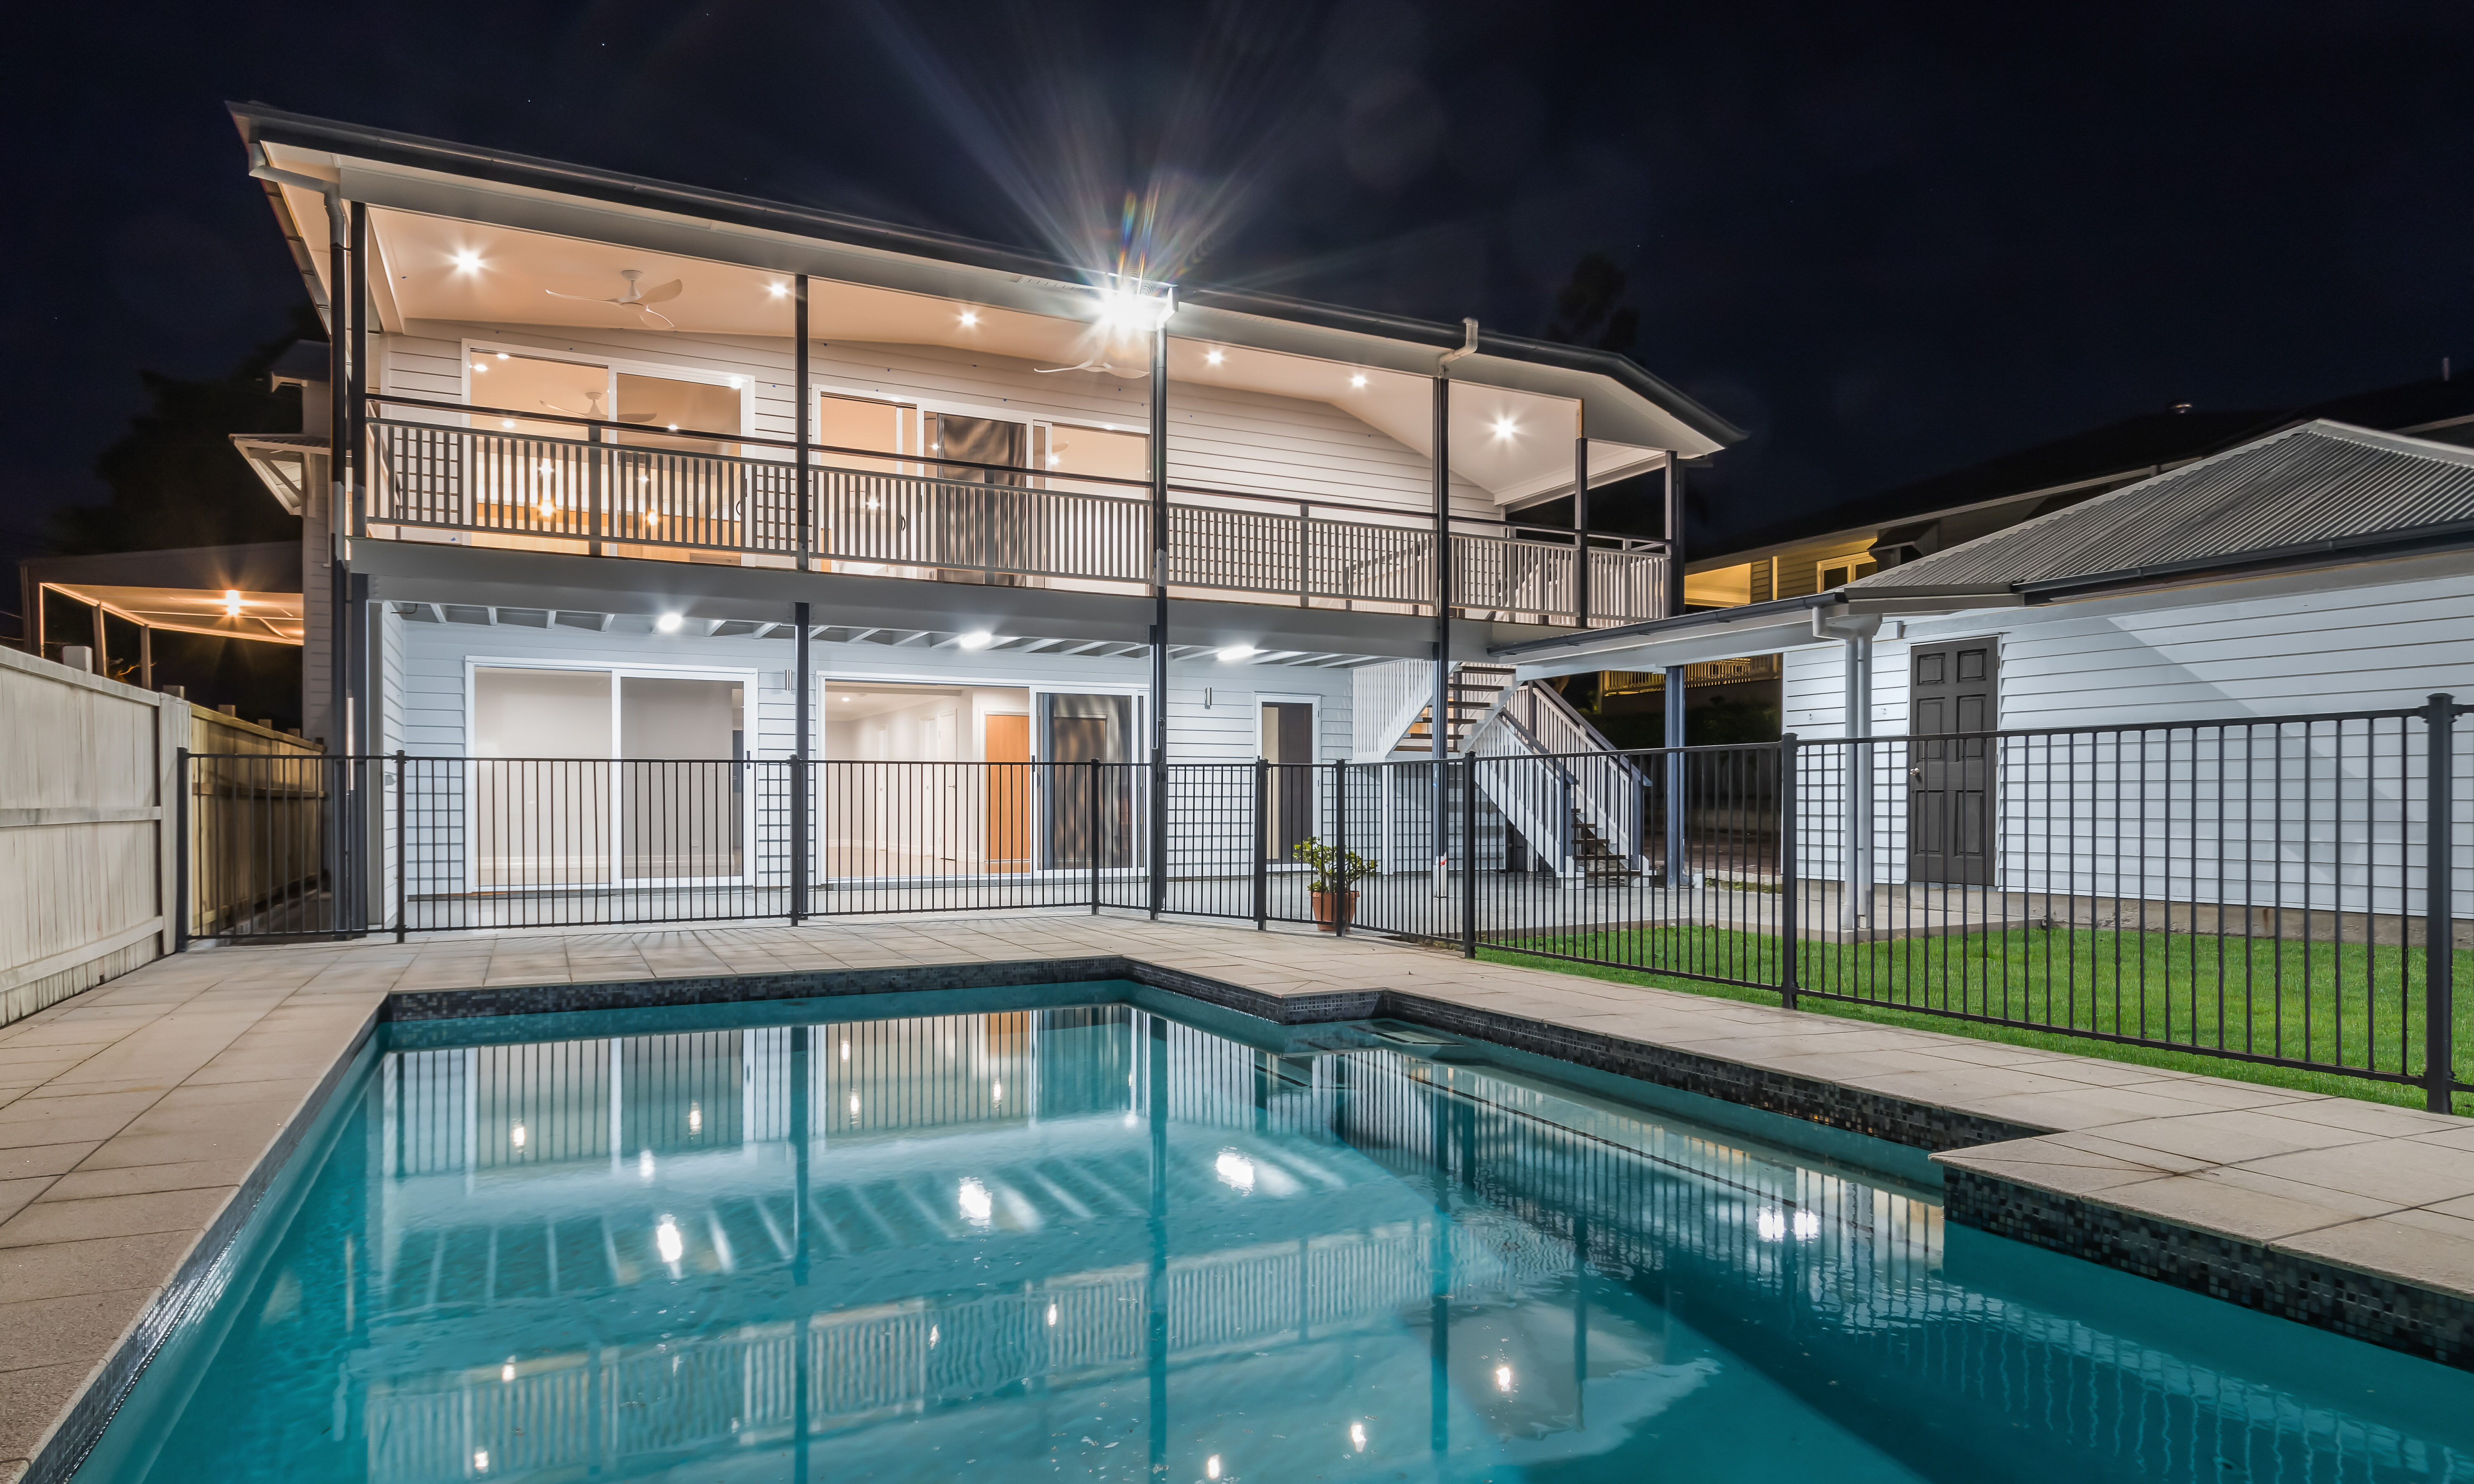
[667,623]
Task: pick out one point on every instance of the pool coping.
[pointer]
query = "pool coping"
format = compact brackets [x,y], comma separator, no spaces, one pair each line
[2024,1180]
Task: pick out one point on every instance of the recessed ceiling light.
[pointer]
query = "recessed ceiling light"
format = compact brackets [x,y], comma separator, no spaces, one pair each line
[970,317]
[1505,428]
[478,366]
[1357,381]
[667,623]
[981,639]
[1237,652]
[467,260]
[1212,358]
[777,291]
[503,355]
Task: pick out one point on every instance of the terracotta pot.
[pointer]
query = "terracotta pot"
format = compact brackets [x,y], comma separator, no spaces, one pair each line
[1322,905]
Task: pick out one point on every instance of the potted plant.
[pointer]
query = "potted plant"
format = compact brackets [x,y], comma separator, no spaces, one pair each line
[1336,873]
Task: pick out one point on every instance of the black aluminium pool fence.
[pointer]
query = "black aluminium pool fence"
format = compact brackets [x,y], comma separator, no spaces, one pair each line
[2288,890]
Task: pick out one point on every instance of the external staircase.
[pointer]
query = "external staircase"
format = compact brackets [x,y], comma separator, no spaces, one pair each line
[1575,801]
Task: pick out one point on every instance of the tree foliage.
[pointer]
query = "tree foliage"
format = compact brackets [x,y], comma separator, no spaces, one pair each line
[174,478]
[1590,309]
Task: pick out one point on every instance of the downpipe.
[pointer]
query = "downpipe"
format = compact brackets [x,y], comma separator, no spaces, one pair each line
[1855,632]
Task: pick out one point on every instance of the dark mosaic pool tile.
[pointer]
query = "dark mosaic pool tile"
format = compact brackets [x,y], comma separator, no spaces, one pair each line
[2395,1315]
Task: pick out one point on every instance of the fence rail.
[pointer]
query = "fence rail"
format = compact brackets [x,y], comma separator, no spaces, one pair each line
[575,494]
[2295,890]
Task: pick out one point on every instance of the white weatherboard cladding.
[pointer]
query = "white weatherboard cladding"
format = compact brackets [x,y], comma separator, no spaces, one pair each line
[2159,815]
[1221,727]
[1217,438]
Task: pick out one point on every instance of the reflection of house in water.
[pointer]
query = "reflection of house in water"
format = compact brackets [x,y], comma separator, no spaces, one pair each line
[1159,1215]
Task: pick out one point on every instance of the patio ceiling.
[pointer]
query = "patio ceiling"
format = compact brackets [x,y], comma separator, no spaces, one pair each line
[272,617]
[435,271]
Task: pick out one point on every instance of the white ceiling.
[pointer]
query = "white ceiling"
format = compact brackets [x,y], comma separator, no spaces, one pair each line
[1513,444]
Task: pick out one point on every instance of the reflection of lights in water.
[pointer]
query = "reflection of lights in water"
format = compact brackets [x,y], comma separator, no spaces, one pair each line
[1211,1468]
[481,1461]
[996,1092]
[695,1117]
[507,1372]
[667,1241]
[1051,1315]
[1503,1377]
[931,1336]
[975,1202]
[1357,1436]
[1235,1170]
[517,1136]
[846,1050]
[1807,1226]
[1771,1224]
[854,1105]
[644,1164]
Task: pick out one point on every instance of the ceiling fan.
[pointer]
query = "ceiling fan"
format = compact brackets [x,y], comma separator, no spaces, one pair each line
[636,298]
[592,410]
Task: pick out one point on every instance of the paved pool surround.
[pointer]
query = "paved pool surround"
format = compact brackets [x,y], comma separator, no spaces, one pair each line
[141,1121]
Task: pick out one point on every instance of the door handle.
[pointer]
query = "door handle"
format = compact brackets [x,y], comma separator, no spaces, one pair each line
[1915,775]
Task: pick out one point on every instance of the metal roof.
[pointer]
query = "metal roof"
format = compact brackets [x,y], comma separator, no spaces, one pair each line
[2323,487]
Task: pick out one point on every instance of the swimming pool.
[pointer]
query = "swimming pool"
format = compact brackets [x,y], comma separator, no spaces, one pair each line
[1092,1233]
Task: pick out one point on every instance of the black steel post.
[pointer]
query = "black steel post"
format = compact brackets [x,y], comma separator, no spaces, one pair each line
[1159,617]
[358,392]
[1340,913]
[1095,776]
[362,742]
[180,849]
[2439,925]
[1262,844]
[1439,740]
[1673,692]
[1469,856]
[1580,521]
[402,891]
[801,726]
[1789,888]
[807,470]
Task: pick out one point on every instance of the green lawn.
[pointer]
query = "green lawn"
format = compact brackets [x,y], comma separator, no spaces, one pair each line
[2351,1004]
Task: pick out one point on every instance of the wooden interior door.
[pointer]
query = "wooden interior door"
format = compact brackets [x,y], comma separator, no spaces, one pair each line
[1006,748]
[1950,689]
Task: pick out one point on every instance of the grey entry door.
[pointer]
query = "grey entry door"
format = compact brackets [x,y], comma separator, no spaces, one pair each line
[1288,746]
[1950,783]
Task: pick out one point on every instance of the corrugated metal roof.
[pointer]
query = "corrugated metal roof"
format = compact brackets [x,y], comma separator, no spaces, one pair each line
[2318,484]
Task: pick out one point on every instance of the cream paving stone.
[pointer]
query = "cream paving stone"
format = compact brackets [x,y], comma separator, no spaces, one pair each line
[17,1163]
[2228,1138]
[58,1269]
[46,1220]
[2201,1201]
[2393,1171]
[30,1398]
[64,1330]
[183,1174]
[2394,1246]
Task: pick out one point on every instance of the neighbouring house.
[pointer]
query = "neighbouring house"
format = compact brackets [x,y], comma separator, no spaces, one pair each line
[641,471]
[2323,570]
[1810,554]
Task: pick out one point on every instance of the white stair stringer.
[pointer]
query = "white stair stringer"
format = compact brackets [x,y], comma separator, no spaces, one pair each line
[1579,803]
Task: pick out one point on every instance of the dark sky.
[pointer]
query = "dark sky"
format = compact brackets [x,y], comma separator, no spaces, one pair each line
[1886,239]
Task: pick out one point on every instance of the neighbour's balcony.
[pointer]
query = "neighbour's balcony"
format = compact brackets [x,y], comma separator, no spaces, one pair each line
[611,490]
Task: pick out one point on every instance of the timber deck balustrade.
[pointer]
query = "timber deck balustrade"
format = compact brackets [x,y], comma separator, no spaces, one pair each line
[886,514]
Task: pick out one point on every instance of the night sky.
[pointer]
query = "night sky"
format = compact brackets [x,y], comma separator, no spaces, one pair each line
[1886,239]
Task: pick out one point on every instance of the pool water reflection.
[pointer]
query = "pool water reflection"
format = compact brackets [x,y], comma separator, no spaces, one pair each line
[1091,1241]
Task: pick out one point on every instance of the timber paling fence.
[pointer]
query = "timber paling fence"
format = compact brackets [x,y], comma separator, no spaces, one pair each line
[2288,890]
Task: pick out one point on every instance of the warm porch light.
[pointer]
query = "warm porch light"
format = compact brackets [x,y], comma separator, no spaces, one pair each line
[1128,310]
[970,317]
[667,623]
[778,291]
[1212,358]
[1357,381]
[467,261]
[231,603]
[1505,428]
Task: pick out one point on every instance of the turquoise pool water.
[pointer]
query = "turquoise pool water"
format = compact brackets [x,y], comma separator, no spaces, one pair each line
[1043,1238]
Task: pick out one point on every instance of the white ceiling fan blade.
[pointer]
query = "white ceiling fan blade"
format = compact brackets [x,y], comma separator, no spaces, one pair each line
[581,299]
[650,315]
[663,294]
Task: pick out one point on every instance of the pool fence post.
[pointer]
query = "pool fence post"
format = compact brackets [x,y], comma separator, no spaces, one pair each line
[1469,856]
[1789,888]
[402,897]
[179,853]
[1262,843]
[2438,927]
[1340,905]
[1093,846]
